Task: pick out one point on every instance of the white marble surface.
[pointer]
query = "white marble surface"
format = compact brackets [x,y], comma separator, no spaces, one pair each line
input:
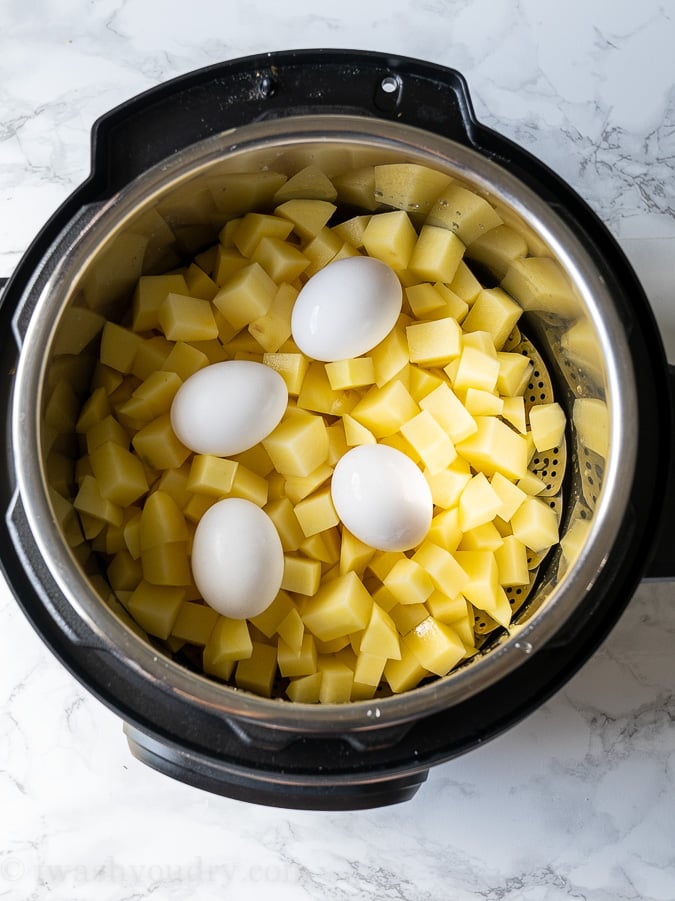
[578,801]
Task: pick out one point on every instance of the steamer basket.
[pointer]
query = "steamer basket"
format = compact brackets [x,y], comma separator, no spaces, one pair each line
[158,194]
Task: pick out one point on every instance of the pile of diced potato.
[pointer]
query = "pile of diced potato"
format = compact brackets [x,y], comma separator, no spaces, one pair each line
[350,622]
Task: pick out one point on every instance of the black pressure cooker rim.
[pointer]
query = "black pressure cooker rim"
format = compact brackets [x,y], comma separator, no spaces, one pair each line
[429,739]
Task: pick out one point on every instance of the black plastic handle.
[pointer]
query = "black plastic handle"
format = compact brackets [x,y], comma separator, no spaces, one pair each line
[157,123]
[662,562]
[277,790]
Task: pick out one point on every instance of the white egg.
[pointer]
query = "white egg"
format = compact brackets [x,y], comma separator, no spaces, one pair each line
[346,308]
[228,407]
[382,497]
[237,558]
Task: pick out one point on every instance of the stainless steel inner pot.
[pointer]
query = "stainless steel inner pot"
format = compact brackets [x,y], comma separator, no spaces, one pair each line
[176,208]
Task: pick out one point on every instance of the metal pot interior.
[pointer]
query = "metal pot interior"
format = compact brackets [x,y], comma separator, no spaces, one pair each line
[175,210]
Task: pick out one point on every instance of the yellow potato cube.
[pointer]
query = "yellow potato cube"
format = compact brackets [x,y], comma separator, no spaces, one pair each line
[318,396]
[308,216]
[310,183]
[291,630]
[324,546]
[390,237]
[493,311]
[547,423]
[282,261]
[408,582]
[369,669]
[480,341]
[161,522]
[447,485]
[257,672]
[434,343]
[444,530]
[337,680]
[184,360]
[531,484]
[292,367]
[381,636]
[194,623]
[301,575]
[384,410]
[211,475]
[256,459]
[150,356]
[297,488]
[485,537]
[409,186]
[246,296]
[305,689]
[298,445]
[228,262]
[430,441]
[184,318]
[510,495]
[513,411]
[454,306]
[497,249]
[539,283]
[340,607]
[294,663]
[353,373]
[495,447]
[150,293]
[436,646]
[106,431]
[354,554]
[511,560]
[406,673]
[421,382]
[391,355]
[535,524]
[229,640]
[436,254]
[447,609]
[476,370]
[124,573]
[356,187]
[199,283]
[479,402]
[351,231]
[323,248]
[156,607]
[482,576]
[355,433]
[197,506]
[95,408]
[90,502]
[254,227]
[271,618]
[479,503]
[514,373]
[157,392]
[249,486]
[118,347]
[591,420]
[274,328]
[167,564]
[464,212]
[465,284]
[407,616]
[446,575]
[449,413]
[316,512]
[425,301]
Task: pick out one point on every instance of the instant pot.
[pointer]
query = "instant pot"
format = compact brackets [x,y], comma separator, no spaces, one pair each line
[152,200]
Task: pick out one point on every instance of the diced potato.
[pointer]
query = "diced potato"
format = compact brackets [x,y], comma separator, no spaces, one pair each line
[318,396]
[161,522]
[447,485]
[447,609]
[369,669]
[253,227]
[351,230]
[305,689]
[249,486]
[409,186]
[340,607]
[316,512]
[384,410]
[424,300]
[301,575]
[89,501]
[118,347]
[308,216]
[531,484]
[465,284]
[298,445]
[321,250]
[390,237]
[199,284]
[436,254]
[493,311]
[184,318]
[292,367]
[391,355]
[446,575]
[381,636]
[105,431]
[497,249]
[211,475]
[257,672]
[479,503]
[297,663]
[514,373]
[167,564]
[455,306]
[194,623]
[436,645]
[352,373]
[406,673]
[444,530]
[124,573]
[324,546]
[408,582]
[292,630]
[513,411]
[476,370]
[591,420]
[156,607]
[282,261]
[297,487]
[246,296]
[271,618]
[539,283]
[95,408]
[511,560]
[479,402]
[421,382]
[510,495]
[354,554]
[449,413]
[547,423]
[434,343]
[430,441]
[150,356]
[355,433]
[535,524]
[464,212]
[485,537]
[482,579]
[150,293]
[337,680]
[357,187]
[495,447]
[229,640]
[228,262]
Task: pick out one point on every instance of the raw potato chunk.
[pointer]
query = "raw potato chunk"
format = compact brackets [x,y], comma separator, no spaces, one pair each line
[409,186]
[151,292]
[119,474]
[547,423]
[498,249]
[434,343]
[436,646]
[184,318]
[247,296]
[495,447]
[155,608]
[249,231]
[309,183]
[436,254]
[384,410]
[298,445]
[340,607]
[535,524]
[256,673]
[495,312]
[430,441]
[391,238]
[464,212]
[308,216]
[301,575]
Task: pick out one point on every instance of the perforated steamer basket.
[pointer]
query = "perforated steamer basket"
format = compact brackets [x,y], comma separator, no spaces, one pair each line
[155,196]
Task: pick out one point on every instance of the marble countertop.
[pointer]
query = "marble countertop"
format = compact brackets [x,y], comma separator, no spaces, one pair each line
[578,800]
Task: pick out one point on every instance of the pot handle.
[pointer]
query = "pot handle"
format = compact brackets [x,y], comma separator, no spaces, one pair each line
[171,116]
[278,790]
[662,563]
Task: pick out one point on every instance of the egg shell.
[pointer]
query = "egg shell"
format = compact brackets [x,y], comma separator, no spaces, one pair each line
[228,407]
[346,308]
[382,497]
[237,558]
